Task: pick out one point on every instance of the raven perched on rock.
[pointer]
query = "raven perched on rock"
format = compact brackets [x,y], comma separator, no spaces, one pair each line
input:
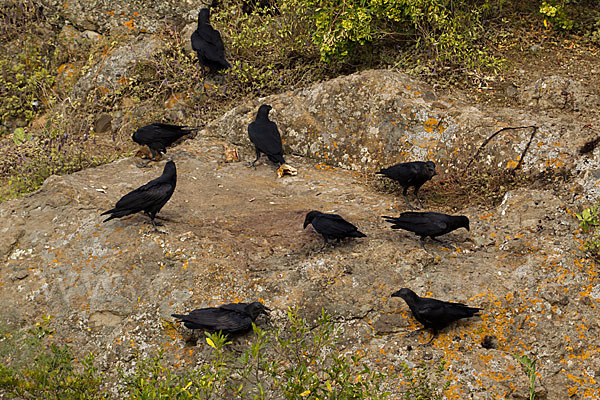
[430,224]
[149,198]
[207,43]
[434,314]
[414,173]
[228,318]
[331,226]
[265,136]
[159,136]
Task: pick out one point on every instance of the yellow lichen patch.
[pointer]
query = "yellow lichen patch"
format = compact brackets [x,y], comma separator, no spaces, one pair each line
[430,124]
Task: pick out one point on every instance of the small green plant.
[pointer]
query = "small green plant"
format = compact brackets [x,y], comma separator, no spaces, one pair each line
[554,11]
[588,218]
[423,384]
[31,369]
[529,368]
[295,363]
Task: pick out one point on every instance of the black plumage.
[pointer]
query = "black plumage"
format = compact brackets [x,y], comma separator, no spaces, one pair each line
[159,136]
[430,224]
[414,173]
[331,226]
[265,136]
[434,314]
[149,198]
[229,318]
[208,45]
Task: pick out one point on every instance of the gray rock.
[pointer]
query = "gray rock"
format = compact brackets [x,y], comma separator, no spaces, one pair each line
[562,94]
[111,71]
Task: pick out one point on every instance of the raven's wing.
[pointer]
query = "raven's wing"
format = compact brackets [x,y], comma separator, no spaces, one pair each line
[266,137]
[207,41]
[399,172]
[218,319]
[333,225]
[438,314]
[166,134]
[423,224]
[145,197]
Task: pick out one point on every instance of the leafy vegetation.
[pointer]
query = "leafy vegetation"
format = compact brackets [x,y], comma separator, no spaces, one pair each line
[292,363]
[298,361]
[589,222]
[51,374]
[529,368]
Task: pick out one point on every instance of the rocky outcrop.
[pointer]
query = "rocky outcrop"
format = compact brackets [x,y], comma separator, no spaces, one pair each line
[126,16]
[235,234]
[376,118]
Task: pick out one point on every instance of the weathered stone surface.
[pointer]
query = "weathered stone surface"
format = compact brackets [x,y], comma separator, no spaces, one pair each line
[127,16]
[375,118]
[235,233]
[556,93]
[110,72]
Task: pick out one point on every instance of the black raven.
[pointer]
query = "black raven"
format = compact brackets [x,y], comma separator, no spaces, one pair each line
[149,198]
[265,136]
[159,136]
[331,226]
[430,224]
[414,173]
[228,318]
[434,314]
[207,43]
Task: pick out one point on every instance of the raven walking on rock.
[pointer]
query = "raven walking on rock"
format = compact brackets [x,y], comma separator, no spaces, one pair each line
[265,136]
[434,314]
[159,136]
[414,173]
[331,226]
[149,198]
[229,318]
[430,224]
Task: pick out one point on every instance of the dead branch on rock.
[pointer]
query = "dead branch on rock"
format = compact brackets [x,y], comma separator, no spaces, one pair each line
[535,128]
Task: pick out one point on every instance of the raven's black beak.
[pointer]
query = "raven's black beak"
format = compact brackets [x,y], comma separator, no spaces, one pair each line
[396,294]
[305,224]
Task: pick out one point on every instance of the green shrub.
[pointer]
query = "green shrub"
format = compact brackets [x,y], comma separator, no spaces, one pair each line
[450,31]
[295,363]
[423,384]
[555,13]
[40,370]
[26,83]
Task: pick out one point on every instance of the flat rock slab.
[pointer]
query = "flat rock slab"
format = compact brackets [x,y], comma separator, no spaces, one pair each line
[235,234]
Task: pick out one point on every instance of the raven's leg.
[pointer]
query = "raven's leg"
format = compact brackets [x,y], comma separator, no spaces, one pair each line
[417,196]
[405,199]
[154,224]
[423,243]
[257,157]
[324,244]
[433,335]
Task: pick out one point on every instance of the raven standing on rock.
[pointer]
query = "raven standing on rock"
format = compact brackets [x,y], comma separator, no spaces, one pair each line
[149,198]
[434,314]
[207,43]
[159,136]
[265,136]
[228,318]
[331,226]
[430,224]
[414,173]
